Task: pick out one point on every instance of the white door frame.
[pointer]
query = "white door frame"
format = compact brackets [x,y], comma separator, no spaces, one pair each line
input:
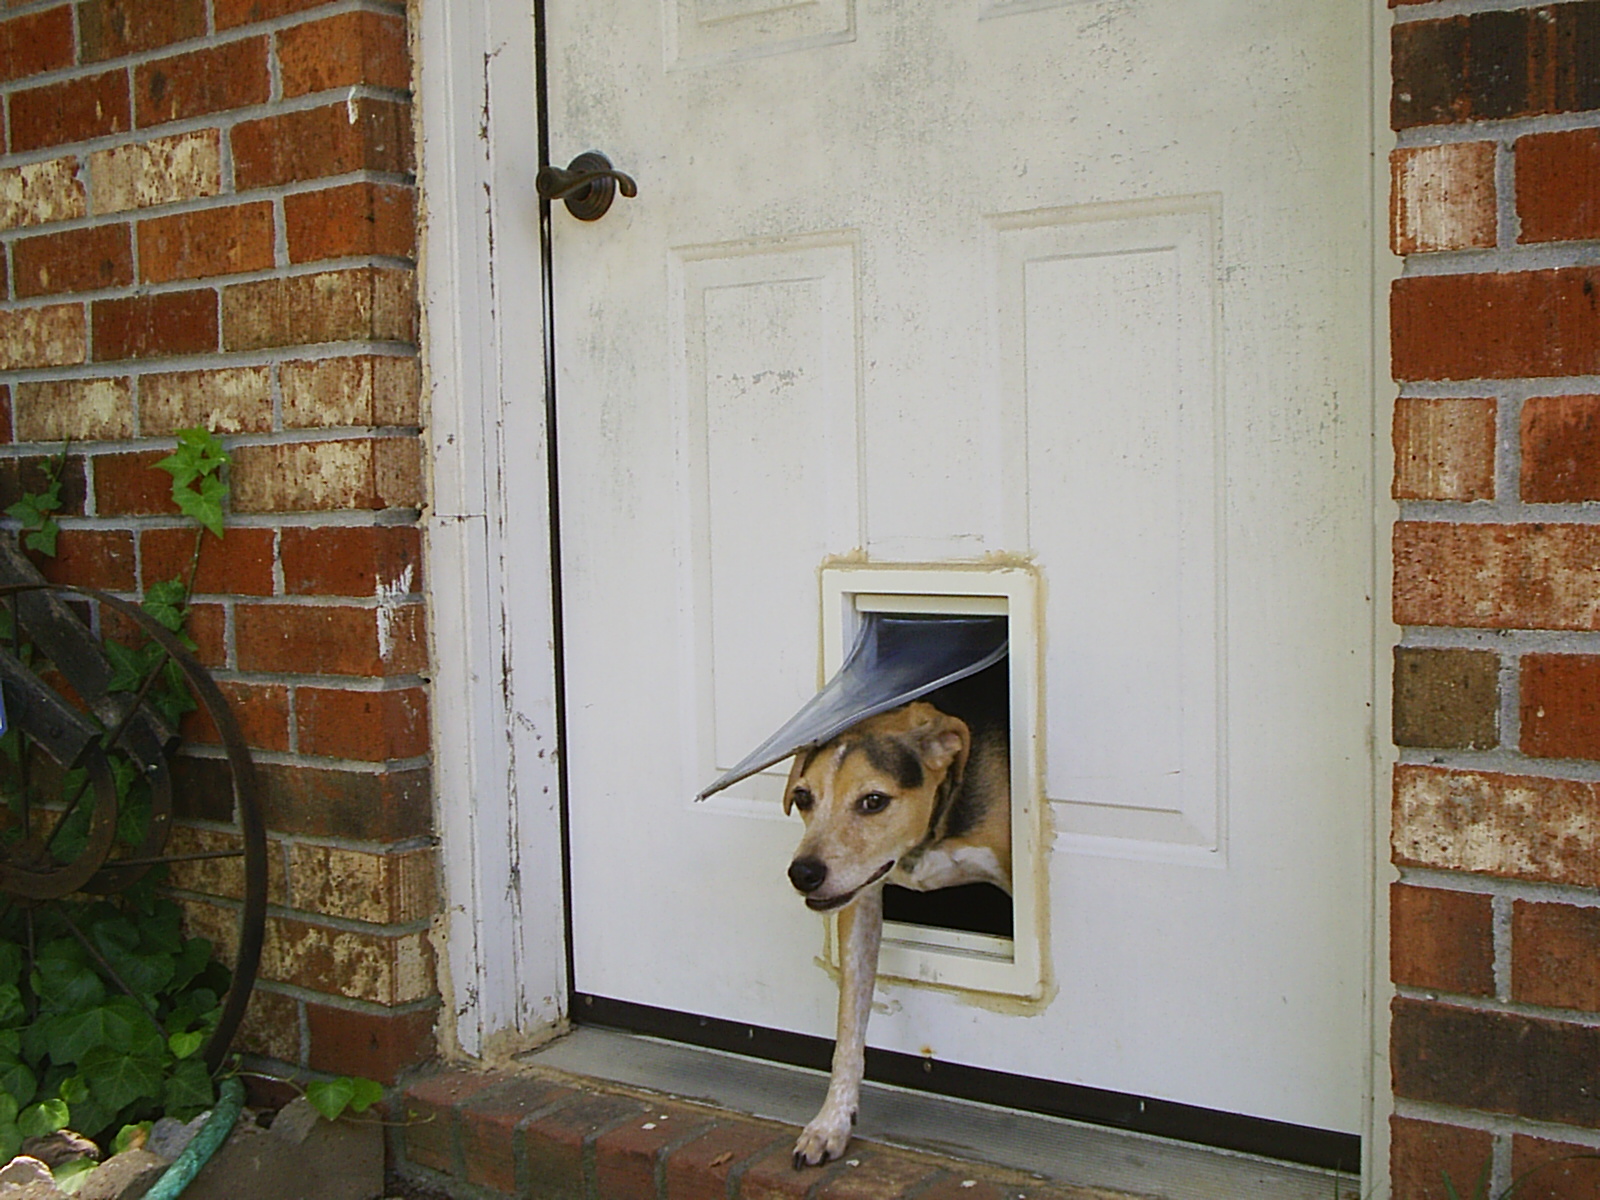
[494,694]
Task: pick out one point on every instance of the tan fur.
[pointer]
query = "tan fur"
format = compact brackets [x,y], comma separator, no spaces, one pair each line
[861,850]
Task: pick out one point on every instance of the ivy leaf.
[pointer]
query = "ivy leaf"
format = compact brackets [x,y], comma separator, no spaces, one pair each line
[11,1007]
[203,502]
[330,1097]
[130,1137]
[199,453]
[43,1119]
[10,1142]
[43,539]
[165,602]
[10,962]
[367,1093]
[128,668]
[118,1079]
[63,985]
[192,959]
[188,1089]
[183,1045]
[9,1109]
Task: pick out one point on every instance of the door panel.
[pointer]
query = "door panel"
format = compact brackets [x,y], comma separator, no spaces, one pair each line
[927,281]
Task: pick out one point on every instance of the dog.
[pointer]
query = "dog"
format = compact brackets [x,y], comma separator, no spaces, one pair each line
[914,796]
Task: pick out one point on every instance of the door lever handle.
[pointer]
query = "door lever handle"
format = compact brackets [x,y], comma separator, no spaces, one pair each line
[588,184]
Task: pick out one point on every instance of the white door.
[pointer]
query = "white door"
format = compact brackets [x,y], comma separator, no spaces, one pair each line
[1077,283]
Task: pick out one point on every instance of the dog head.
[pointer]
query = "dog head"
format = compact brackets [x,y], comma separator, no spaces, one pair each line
[871,795]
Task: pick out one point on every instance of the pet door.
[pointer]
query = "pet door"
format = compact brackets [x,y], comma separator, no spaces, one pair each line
[966,640]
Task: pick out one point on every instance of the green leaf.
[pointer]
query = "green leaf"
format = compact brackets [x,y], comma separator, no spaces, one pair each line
[330,1097]
[10,962]
[129,667]
[199,453]
[166,603]
[183,1045]
[129,1136]
[9,1109]
[63,985]
[11,1007]
[16,1082]
[188,1089]
[73,1090]
[44,538]
[118,1079]
[367,1093]
[10,1142]
[191,960]
[43,1118]
[203,502]
[68,1176]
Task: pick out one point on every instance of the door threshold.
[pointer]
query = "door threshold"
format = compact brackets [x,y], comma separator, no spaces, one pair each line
[1062,1151]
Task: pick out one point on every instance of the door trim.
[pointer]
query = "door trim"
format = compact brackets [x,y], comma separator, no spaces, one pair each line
[501,944]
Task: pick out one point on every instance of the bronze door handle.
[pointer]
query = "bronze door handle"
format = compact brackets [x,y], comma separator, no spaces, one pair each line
[588,184]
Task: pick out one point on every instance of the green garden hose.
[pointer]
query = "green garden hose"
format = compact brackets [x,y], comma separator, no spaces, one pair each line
[203,1145]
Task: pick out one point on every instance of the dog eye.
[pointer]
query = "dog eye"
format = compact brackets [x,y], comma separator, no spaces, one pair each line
[872,802]
[801,799]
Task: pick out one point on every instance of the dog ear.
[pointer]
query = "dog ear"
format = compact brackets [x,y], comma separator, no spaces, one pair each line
[794,778]
[943,742]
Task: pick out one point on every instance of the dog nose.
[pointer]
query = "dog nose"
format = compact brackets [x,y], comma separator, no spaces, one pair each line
[807,874]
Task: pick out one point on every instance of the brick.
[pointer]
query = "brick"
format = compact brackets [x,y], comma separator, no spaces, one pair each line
[222,877]
[773,1177]
[83,410]
[271,1027]
[1554,1170]
[41,192]
[37,42]
[625,1157]
[356,218]
[238,564]
[1558,186]
[1496,326]
[373,560]
[114,28]
[202,789]
[880,1173]
[153,326]
[1493,65]
[212,79]
[365,726]
[490,1129]
[261,710]
[383,806]
[78,260]
[1538,1069]
[375,1045]
[130,485]
[165,170]
[6,436]
[1513,826]
[1446,698]
[1561,705]
[344,51]
[212,241]
[700,1169]
[318,639]
[246,12]
[226,400]
[1561,449]
[49,336]
[1444,448]
[1441,940]
[555,1143]
[1422,1153]
[73,111]
[1533,576]
[99,558]
[362,134]
[376,967]
[362,389]
[381,889]
[361,304]
[364,474]
[1442,198]
[428,1109]
[1555,955]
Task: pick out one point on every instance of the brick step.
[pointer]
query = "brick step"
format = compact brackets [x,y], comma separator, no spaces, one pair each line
[538,1134]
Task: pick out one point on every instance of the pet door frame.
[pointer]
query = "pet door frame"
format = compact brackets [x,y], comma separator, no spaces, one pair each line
[1015,966]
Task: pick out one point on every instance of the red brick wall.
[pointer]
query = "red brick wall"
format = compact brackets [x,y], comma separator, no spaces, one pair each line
[1496,347]
[206,209]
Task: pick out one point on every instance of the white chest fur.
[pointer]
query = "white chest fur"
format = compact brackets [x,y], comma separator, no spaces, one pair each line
[939,867]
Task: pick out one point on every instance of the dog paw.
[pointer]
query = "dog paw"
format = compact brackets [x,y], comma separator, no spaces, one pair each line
[824,1139]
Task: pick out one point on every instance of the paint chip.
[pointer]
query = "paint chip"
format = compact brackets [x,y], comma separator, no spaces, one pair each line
[648,1125]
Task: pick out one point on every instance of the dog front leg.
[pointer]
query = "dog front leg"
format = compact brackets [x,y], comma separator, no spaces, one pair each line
[860,931]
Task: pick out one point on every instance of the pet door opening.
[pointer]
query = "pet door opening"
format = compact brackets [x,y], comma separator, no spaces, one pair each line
[972,937]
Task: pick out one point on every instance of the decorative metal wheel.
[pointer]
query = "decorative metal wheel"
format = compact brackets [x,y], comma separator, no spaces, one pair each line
[76,734]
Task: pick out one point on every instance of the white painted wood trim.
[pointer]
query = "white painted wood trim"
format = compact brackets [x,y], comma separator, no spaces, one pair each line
[503,957]
[1375,1178]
